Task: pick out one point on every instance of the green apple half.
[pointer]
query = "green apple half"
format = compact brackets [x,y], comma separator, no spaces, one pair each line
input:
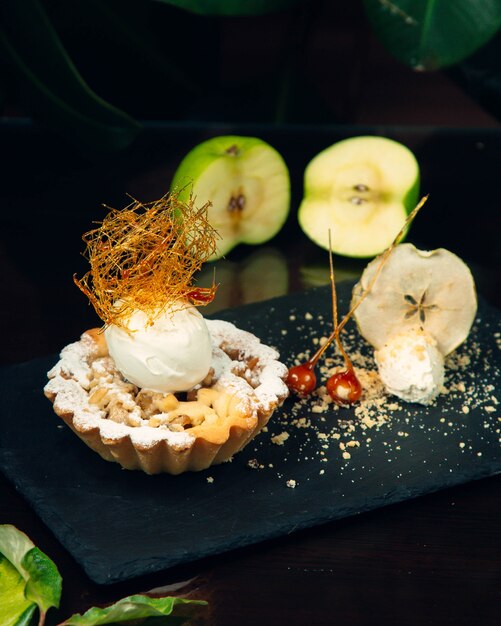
[361,189]
[247,183]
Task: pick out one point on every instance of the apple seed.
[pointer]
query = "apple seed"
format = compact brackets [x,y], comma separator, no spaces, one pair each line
[236,203]
[357,200]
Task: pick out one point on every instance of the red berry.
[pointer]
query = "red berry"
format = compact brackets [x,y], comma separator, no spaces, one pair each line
[344,387]
[203,295]
[301,379]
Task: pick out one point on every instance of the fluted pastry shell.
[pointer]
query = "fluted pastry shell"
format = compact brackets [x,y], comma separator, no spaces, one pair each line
[125,425]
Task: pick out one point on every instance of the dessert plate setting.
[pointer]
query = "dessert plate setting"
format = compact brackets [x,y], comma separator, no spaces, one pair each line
[313,463]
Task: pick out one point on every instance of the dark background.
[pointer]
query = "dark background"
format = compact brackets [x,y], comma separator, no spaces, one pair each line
[317,63]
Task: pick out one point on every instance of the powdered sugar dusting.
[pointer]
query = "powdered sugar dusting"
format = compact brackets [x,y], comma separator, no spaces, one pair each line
[74,361]
[266,378]
[72,397]
[241,365]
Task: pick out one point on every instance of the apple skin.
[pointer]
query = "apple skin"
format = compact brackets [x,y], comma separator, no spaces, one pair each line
[316,187]
[231,162]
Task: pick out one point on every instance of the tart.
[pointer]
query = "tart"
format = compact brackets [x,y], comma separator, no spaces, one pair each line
[165,432]
[159,388]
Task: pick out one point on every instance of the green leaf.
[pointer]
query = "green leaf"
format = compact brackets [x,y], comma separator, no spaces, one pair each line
[233,7]
[14,545]
[40,579]
[432,34]
[138,607]
[51,84]
[44,584]
[15,608]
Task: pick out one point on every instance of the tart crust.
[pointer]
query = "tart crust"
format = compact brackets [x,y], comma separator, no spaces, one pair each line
[160,432]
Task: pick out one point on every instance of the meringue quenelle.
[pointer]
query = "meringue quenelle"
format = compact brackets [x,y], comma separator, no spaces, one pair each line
[172,353]
[411,367]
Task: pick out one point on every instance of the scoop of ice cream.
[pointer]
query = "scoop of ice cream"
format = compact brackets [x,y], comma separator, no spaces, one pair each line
[411,367]
[173,353]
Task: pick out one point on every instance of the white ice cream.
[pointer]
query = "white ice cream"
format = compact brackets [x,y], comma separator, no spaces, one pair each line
[411,367]
[171,354]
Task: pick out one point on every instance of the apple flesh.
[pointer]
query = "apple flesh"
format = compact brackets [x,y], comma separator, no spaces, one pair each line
[361,190]
[247,183]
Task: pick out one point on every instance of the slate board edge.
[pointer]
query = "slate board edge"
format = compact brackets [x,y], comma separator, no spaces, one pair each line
[106,576]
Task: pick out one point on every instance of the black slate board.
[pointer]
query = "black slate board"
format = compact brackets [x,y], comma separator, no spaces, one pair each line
[119,524]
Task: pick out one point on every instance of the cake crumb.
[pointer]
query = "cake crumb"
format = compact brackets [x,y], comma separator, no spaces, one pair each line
[346,455]
[291,483]
[318,408]
[369,422]
[465,409]
[280,439]
[210,479]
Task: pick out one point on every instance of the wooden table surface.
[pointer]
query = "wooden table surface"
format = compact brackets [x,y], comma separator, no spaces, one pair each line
[433,560]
